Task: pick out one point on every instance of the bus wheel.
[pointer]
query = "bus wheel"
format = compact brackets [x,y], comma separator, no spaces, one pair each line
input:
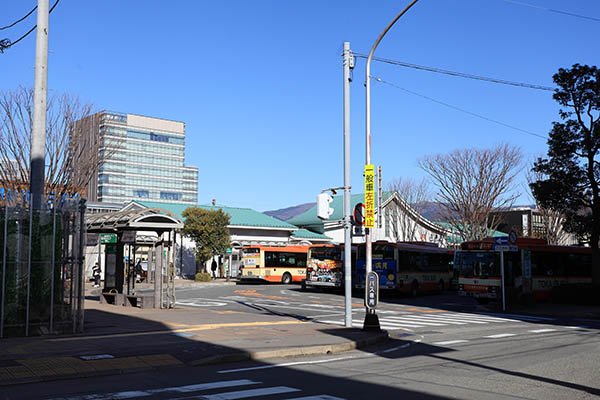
[286,278]
[441,286]
[414,289]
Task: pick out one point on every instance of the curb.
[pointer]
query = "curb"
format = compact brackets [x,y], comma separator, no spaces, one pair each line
[291,351]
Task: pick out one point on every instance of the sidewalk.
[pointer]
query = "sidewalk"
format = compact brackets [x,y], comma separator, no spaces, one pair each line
[123,340]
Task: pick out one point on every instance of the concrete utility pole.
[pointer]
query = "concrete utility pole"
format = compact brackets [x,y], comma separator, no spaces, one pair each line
[368,240]
[348,65]
[40,93]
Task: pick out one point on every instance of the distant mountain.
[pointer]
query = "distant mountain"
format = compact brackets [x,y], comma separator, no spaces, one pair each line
[290,212]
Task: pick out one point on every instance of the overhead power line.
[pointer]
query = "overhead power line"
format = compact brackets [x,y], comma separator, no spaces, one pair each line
[16,22]
[460,109]
[454,73]
[6,43]
[521,3]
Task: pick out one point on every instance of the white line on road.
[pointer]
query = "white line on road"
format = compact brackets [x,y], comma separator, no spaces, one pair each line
[449,342]
[403,320]
[227,371]
[518,316]
[174,389]
[244,394]
[387,324]
[445,320]
[501,335]
[542,330]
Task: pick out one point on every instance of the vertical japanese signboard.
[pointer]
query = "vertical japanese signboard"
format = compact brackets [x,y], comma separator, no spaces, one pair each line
[369,196]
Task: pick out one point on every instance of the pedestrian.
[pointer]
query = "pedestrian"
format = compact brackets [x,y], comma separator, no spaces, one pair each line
[213,268]
[96,271]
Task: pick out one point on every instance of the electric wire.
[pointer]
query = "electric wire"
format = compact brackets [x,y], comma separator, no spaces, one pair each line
[454,73]
[522,3]
[6,43]
[460,109]
[16,22]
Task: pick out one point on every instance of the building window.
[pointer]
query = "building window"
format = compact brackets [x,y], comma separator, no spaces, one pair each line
[143,194]
[170,196]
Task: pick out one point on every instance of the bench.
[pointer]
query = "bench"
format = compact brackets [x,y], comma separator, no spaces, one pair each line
[133,300]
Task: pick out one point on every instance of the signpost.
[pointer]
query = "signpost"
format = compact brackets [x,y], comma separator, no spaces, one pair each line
[501,244]
[371,300]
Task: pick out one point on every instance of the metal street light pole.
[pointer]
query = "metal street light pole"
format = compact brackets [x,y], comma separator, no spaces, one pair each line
[348,65]
[368,239]
[38,134]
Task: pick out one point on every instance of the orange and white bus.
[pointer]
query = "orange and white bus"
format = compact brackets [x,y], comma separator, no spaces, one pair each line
[283,264]
[535,267]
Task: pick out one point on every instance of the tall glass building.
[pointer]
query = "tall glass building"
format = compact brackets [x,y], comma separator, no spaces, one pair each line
[142,158]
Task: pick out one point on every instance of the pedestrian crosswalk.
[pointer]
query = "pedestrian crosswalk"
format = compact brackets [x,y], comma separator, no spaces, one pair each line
[414,320]
[220,390]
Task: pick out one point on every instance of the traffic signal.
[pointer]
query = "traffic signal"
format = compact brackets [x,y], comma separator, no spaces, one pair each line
[323,209]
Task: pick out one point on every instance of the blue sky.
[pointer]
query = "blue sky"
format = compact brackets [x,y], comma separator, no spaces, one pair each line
[259,83]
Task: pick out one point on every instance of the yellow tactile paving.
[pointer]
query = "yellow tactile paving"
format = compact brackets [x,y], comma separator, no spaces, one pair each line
[53,366]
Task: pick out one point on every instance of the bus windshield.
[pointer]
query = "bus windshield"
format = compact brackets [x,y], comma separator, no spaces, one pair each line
[251,251]
[325,253]
[478,263]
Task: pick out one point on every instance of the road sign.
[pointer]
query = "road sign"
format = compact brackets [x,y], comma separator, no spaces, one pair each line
[128,237]
[512,237]
[501,240]
[504,247]
[372,290]
[106,238]
[369,196]
[359,214]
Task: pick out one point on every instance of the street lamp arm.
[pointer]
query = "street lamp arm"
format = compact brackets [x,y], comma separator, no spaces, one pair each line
[368,76]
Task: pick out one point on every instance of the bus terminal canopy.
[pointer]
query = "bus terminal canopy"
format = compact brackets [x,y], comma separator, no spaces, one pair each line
[147,219]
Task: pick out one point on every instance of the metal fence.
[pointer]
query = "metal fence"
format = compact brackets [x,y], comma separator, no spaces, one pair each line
[42,254]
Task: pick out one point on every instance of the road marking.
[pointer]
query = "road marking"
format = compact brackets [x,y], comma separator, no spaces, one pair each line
[170,331]
[202,304]
[174,389]
[576,327]
[501,335]
[244,394]
[435,319]
[227,371]
[387,325]
[542,330]
[450,342]
[402,320]
[518,316]
[326,315]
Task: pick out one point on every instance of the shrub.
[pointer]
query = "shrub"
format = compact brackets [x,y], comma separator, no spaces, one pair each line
[202,277]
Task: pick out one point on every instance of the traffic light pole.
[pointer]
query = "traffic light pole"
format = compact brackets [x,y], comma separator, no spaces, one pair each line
[348,65]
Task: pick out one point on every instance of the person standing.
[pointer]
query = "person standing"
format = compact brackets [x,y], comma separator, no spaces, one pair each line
[213,268]
[96,274]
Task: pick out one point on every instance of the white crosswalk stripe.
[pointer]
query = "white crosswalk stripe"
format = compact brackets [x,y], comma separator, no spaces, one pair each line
[195,392]
[421,320]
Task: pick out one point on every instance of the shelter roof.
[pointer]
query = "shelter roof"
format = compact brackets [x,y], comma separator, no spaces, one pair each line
[145,219]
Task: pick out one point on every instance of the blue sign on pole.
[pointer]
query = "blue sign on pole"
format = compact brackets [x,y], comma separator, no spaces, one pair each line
[501,240]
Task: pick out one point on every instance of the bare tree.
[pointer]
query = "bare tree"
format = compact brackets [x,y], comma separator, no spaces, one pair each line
[552,220]
[472,183]
[414,193]
[72,154]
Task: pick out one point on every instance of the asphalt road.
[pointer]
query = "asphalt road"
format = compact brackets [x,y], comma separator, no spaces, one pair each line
[442,347]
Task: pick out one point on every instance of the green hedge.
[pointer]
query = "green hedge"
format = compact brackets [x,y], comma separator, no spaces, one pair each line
[202,277]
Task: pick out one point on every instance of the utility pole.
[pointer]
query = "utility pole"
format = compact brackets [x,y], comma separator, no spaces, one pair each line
[38,135]
[348,65]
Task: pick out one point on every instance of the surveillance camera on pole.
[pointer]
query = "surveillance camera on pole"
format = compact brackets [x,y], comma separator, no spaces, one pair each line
[323,209]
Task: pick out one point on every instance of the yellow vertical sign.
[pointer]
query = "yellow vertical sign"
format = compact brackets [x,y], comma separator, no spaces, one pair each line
[369,196]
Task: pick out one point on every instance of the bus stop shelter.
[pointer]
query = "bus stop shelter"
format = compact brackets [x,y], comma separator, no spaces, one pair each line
[119,229]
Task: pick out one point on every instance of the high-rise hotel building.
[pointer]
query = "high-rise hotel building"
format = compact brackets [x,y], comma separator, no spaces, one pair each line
[142,159]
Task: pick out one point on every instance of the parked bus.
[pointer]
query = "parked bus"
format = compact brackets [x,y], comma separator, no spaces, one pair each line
[408,267]
[283,264]
[535,267]
[326,266]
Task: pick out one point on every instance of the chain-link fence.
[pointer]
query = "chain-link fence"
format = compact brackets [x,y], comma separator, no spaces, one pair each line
[41,255]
